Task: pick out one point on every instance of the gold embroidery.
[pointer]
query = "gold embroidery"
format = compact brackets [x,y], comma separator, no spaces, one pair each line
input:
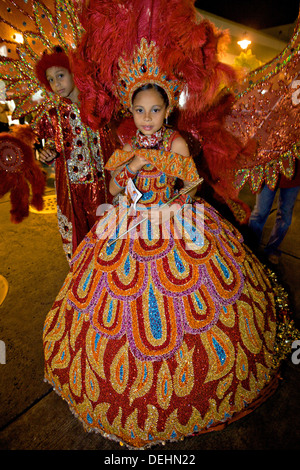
[76,327]
[119,370]
[224,385]
[143,381]
[183,378]
[248,331]
[75,374]
[220,353]
[95,349]
[227,316]
[241,368]
[91,384]
[62,358]
[164,388]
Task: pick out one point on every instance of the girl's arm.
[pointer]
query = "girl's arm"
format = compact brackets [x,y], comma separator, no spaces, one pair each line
[181,147]
[157,216]
[123,172]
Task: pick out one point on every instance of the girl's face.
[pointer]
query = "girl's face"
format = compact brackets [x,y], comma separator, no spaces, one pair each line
[61,81]
[149,111]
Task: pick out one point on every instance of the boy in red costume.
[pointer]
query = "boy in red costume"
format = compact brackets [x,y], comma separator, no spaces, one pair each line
[79,152]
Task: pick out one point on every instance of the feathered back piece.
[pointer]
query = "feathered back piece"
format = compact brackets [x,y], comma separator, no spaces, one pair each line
[190,48]
[187,50]
[41,27]
[110,28]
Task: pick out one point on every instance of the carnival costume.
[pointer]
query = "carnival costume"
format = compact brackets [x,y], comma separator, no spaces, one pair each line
[162,332]
[241,137]
[150,340]
[80,180]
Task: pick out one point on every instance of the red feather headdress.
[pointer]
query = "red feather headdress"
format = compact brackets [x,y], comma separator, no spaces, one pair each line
[187,50]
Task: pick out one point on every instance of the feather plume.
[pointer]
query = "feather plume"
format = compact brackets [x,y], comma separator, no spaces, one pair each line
[189,50]
[110,29]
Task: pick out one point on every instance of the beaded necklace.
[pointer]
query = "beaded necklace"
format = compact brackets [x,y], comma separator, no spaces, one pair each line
[149,141]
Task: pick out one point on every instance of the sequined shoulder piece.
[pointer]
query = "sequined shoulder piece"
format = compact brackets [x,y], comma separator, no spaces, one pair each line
[171,163]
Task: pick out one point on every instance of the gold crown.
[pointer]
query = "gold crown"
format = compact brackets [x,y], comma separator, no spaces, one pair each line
[141,69]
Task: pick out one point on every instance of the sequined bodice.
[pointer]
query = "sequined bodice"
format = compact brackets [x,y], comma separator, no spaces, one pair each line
[155,185]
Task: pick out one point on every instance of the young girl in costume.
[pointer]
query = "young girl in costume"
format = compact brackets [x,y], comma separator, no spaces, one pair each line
[78,151]
[150,109]
[167,330]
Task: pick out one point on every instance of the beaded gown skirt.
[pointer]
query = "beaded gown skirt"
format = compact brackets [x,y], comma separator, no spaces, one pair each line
[168,332]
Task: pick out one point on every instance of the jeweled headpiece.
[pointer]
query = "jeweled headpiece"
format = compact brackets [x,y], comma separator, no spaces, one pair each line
[141,69]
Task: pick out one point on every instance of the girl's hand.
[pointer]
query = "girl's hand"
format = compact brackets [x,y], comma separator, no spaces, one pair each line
[137,163]
[134,165]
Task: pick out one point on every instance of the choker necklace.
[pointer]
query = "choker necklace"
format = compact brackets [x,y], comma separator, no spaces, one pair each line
[150,141]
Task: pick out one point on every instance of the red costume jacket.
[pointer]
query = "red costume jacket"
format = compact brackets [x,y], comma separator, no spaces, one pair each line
[80,179]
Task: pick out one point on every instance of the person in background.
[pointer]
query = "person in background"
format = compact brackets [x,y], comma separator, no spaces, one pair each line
[78,151]
[288,190]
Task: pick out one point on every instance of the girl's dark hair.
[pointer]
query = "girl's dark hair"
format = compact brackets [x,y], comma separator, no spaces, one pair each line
[152,86]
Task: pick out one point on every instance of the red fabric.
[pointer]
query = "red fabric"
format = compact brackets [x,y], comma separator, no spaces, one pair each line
[293,182]
[77,201]
[114,28]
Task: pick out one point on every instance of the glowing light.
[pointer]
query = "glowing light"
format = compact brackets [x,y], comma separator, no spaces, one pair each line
[3,50]
[37,96]
[18,37]
[182,98]
[244,43]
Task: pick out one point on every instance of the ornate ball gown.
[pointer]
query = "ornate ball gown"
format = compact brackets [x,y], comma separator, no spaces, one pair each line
[155,337]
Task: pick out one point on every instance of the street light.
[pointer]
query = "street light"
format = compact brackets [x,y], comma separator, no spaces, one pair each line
[244,43]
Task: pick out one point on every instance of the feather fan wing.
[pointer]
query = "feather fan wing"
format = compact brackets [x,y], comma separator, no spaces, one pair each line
[27,30]
[266,110]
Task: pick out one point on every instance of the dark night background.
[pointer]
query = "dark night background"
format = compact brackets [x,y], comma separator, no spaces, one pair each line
[257,14]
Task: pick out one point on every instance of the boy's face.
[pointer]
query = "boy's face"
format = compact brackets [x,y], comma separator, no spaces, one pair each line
[60,80]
